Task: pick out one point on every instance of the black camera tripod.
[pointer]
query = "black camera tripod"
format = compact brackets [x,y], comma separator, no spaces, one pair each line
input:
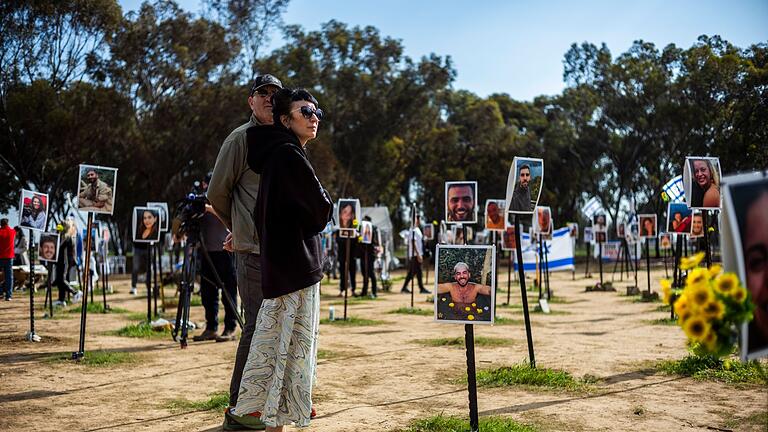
[188,273]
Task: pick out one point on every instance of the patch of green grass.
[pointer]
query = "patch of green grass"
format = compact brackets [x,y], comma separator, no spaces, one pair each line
[441,423]
[522,374]
[500,320]
[96,307]
[412,311]
[217,401]
[351,322]
[459,341]
[326,354]
[756,419]
[517,306]
[709,368]
[662,321]
[662,308]
[355,300]
[558,300]
[97,358]
[141,330]
[538,310]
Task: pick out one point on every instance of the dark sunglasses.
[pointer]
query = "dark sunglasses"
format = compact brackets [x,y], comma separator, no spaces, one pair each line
[307,112]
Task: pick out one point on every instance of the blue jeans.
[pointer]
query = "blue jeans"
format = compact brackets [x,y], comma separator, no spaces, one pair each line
[6,264]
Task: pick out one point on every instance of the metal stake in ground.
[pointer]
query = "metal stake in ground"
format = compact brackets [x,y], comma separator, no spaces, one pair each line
[600,260]
[546,269]
[104,280]
[155,289]
[149,282]
[509,277]
[469,340]
[708,254]
[521,273]
[86,275]
[31,336]
[648,264]
[589,258]
[49,289]
[346,278]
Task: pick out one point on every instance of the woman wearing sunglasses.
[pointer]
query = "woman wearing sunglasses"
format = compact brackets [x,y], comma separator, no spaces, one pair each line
[292,209]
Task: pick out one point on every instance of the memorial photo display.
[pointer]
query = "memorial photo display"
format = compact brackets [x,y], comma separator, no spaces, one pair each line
[96,189]
[33,210]
[347,211]
[524,184]
[465,284]
[678,218]
[508,239]
[164,215]
[647,225]
[146,224]
[461,202]
[701,181]
[494,214]
[746,203]
[542,223]
[48,247]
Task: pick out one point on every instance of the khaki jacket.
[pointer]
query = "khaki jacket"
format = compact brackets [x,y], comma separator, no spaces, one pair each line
[233,189]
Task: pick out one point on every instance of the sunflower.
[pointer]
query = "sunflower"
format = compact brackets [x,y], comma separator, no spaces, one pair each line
[696,328]
[471,317]
[699,294]
[697,277]
[666,289]
[681,305]
[727,283]
[691,262]
[715,270]
[714,309]
[739,294]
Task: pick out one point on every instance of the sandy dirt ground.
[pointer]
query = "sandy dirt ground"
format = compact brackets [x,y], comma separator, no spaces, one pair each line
[378,377]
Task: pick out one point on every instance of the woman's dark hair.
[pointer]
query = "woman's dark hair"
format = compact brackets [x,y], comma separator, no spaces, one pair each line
[282,100]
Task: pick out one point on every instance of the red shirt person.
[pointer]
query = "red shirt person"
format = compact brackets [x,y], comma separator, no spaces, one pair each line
[7,238]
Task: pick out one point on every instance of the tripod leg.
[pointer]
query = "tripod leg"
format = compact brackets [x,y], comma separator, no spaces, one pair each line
[220,285]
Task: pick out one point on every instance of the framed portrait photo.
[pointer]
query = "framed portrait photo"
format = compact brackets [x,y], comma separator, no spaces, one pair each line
[465,284]
[146,224]
[33,210]
[461,202]
[366,232]
[508,241]
[164,215]
[541,225]
[48,247]
[745,252]
[524,184]
[678,218]
[588,235]
[494,214]
[573,230]
[701,181]
[665,241]
[347,211]
[96,189]
[697,224]
[647,225]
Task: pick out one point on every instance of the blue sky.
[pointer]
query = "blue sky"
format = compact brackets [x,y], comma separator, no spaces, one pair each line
[517,47]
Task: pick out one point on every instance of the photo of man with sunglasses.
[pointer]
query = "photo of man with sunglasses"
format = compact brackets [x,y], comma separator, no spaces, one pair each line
[232,192]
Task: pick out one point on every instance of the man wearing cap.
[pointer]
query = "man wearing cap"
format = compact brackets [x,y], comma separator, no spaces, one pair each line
[232,193]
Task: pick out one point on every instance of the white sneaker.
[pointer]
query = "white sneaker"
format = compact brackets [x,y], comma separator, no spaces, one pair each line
[60,303]
[78,296]
[134,291]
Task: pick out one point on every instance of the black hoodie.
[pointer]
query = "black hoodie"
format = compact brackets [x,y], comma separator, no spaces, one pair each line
[291,210]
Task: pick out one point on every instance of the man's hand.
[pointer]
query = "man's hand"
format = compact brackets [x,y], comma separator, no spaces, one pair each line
[227,245]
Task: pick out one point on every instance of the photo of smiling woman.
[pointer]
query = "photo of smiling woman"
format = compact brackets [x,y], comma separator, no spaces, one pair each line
[146,224]
[701,178]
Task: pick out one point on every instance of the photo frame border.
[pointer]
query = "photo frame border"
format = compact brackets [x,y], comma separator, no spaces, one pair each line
[512,175]
[492,248]
[21,209]
[135,226]
[40,244]
[114,188]
[688,180]
[474,210]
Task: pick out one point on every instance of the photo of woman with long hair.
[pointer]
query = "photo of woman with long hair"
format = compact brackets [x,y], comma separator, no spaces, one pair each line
[146,224]
[704,180]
